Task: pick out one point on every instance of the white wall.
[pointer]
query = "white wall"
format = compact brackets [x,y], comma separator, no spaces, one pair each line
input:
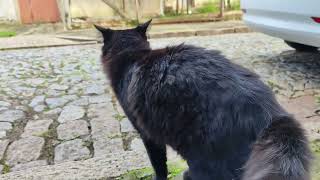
[98,9]
[8,10]
[90,8]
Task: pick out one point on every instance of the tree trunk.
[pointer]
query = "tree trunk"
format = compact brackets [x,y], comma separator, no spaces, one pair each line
[116,9]
[65,13]
[177,6]
[189,5]
[182,7]
[229,4]
[123,5]
[221,8]
[137,10]
[162,6]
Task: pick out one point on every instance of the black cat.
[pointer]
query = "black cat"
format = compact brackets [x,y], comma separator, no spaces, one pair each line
[217,115]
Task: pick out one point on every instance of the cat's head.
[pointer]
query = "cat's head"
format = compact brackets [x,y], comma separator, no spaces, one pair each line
[115,41]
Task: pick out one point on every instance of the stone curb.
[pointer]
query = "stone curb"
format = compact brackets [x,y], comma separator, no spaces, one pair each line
[109,167]
[238,29]
[48,45]
[194,19]
[87,41]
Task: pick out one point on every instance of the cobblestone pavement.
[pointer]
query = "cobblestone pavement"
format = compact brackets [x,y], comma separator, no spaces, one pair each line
[60,120]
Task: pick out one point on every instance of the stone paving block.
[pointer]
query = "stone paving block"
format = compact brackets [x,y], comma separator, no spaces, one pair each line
[60,101]
[5,126]
[137,145]
[120,109]
[83,101]
[3,147]
[126,126]
[39,108]
[37,101]
[53,112]
[104,146]
[24,91]
[58,87]
[37,128]
[3,108]
[24,150]
[105,127]
[70,113]
[28,165]
[4,104]
[109,166]
[100,99]
[34,82]
[54,93]
[72,129]
[104,110]
[71,150]
[12,116]
[94,89]
[3,134]
[172,155]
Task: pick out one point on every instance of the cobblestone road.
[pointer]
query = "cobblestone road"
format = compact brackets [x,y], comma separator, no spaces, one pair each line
[59,119]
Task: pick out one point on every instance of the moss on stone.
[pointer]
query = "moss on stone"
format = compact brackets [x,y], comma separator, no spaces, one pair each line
[141,174]
[318,99]
[6,168]
[175,169]
[119,117]
[273,85]
[315,147]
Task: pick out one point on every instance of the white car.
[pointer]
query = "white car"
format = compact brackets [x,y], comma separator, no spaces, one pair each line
[295,21]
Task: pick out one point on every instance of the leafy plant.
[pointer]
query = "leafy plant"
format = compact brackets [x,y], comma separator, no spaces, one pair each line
[209,7]
[7,33]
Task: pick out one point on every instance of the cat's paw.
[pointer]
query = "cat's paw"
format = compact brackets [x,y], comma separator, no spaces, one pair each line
[186,175]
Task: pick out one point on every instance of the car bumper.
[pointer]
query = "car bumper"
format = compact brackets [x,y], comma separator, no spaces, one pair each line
[294,31]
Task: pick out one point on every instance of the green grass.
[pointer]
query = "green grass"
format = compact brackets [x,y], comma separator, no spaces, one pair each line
[7,33]
[119,117]
[315,146]
[235,6]
[208,8]
[6,168]
[175,169]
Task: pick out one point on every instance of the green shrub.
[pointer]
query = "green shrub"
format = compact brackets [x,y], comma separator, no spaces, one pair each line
[209,7]
[7,33]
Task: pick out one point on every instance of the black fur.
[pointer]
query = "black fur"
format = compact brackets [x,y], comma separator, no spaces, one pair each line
[208,109]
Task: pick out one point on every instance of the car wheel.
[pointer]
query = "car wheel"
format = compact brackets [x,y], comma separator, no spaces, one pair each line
[302,47]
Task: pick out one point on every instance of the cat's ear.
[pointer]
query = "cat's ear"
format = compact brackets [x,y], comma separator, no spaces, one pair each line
[142,28]
[106,32]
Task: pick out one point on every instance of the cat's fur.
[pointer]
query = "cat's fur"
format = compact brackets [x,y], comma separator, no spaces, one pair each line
[217,115]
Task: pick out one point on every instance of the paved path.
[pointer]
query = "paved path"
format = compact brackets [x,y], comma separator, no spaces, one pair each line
[60,120]
[176,30]
[91,36]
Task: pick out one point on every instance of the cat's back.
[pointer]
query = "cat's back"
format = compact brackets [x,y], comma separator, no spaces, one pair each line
[205,76]
[187,63]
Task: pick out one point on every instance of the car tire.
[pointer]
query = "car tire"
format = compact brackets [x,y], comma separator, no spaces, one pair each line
[302,47]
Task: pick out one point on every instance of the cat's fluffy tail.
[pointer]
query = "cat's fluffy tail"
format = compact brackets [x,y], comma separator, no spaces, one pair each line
[280,153]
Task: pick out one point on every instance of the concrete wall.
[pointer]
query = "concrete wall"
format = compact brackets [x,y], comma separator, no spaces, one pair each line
[198,3]
[150,7]
[8,10]
[90,8]
[98,9]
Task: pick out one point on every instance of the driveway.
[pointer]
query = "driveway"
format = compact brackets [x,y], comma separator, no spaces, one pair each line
[60,120]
